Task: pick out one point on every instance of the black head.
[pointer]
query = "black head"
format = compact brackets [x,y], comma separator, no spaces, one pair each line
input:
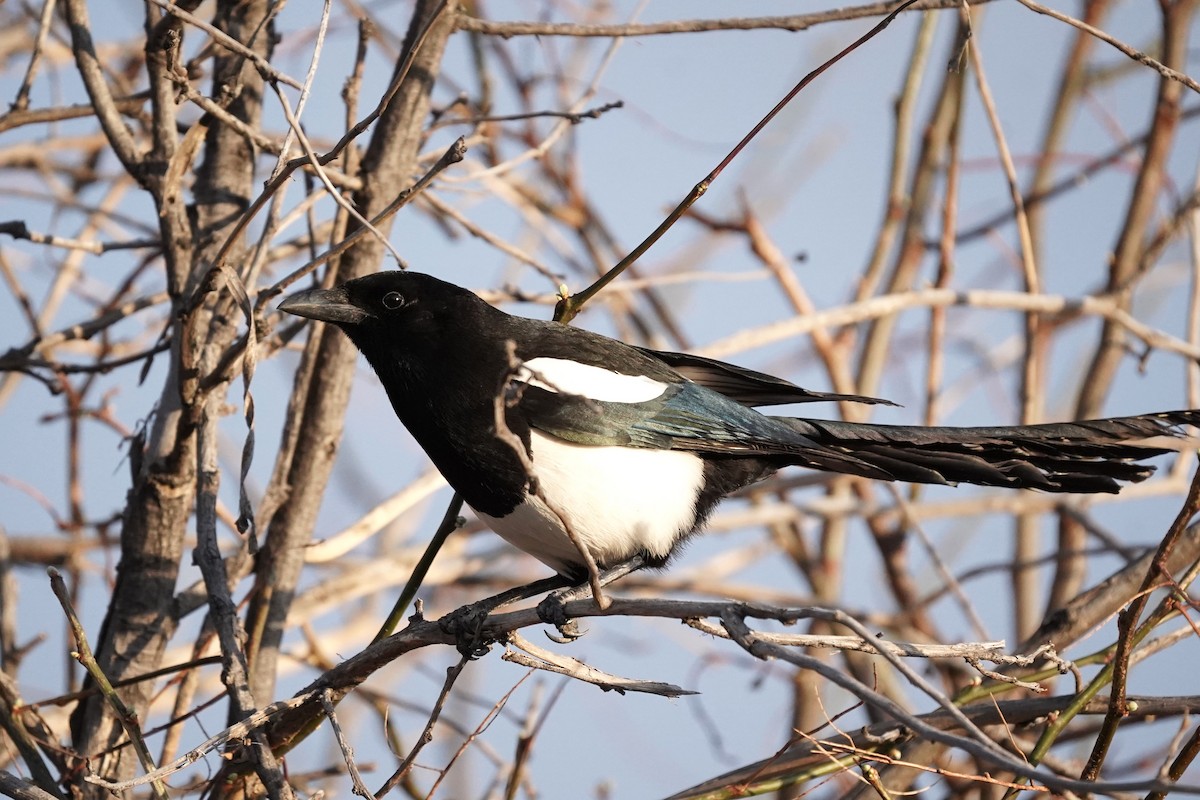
[388,308]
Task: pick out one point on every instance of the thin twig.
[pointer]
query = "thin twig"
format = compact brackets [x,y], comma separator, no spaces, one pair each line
[574,668]
[492,713]
[976,743]
[451,521]
[426,736]
[83,654]
[1136,55]
[282,176]
[18,230]
[570,305]
[319,171]
[356,781]
[1128,629]
[233,733]
[452,155]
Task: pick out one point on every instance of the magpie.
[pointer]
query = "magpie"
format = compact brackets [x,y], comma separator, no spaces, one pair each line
[540,425]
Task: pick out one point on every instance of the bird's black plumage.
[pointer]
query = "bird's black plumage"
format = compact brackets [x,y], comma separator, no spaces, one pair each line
[638,445]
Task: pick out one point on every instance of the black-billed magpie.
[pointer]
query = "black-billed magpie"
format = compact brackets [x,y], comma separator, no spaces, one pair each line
[637,446]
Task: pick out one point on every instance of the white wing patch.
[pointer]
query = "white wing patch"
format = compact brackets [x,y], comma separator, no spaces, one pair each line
[570,377]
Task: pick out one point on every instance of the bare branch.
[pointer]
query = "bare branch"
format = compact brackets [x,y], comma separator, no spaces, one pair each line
[797,22]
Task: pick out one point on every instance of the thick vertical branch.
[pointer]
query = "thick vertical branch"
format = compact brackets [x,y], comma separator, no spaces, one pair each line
[1127,255]
[225,180]
[169,159]
[140,617]
[139,620]
[387,168]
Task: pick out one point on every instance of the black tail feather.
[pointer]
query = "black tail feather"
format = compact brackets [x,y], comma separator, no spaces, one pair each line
[1088,456]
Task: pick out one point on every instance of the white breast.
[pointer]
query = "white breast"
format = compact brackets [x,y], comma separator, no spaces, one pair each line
[619,500]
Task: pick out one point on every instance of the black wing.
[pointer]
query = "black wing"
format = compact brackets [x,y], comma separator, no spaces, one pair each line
[746,386]
[687,417]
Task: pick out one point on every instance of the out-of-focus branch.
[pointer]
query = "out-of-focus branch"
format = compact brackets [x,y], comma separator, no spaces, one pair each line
[90,70]
[1143,199]
[797,22]
[885,305]
[21,789]
[809,758]
[1137,55]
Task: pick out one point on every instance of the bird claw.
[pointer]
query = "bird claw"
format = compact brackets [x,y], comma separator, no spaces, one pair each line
[552,610]
[568,632]
[466,625]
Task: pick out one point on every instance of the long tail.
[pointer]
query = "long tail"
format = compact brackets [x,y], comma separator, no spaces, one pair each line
[1089,456]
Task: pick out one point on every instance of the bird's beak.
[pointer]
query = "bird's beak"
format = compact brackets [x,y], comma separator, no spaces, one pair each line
[327,305]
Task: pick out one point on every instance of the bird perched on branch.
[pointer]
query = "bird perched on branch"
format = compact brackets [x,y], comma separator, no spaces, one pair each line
[554,434]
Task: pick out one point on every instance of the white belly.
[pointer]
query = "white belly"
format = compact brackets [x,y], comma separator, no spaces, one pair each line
[620,501]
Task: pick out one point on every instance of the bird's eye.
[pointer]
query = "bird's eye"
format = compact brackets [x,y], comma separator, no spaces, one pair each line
[393,300]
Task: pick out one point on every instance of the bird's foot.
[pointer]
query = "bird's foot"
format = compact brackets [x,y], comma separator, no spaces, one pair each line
[466,625]
[552,610]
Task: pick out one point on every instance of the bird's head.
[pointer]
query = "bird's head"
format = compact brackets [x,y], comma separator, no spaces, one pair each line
[387,309]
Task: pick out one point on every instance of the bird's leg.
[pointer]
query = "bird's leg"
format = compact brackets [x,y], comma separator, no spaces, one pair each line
[552,610]
[466,623]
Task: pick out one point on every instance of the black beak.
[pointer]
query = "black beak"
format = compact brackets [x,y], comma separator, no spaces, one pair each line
[327,305]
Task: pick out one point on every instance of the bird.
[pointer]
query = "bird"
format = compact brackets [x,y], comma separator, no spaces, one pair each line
[548,430]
